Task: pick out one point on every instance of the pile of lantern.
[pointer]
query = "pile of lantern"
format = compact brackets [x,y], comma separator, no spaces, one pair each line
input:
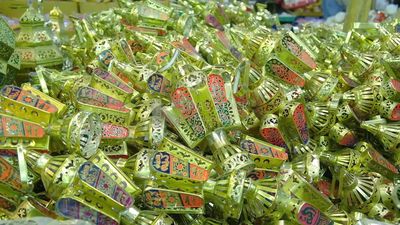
[193,113]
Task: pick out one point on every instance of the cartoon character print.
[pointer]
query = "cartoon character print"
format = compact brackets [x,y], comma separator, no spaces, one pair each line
[184,103]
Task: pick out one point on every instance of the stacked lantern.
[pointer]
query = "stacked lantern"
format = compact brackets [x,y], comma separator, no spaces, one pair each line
[9,59]
[34,43]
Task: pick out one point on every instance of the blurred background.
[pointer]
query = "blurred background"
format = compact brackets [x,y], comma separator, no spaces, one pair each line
[288,11]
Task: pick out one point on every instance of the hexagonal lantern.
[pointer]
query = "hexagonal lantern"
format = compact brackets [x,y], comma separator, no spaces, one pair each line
[9,59]
[34,43]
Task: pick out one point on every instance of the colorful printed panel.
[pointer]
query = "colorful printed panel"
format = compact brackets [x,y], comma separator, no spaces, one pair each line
[263,150]
[258,174]
[225,41]
[9,175]
[159,84]
[212,21]
[111,131]
[186,46]
[105,58]
[7,204]
[95,177]
[162,199]
[73,209]
[382,161]
[10,127]
[292,5]
[8,153]
[184,103]
[242,101]
[300,122]
[189,47]
[324,187]
[308,215]
[169,164]
[162,58]
[276,67]
[395,114]
[101,160]
[92,96]
[349,139]
[298,51]
[395,84]
[274,136]
[181,151]
[119,73]
[216,85]
[26,97]
[110,78]
[127,50]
